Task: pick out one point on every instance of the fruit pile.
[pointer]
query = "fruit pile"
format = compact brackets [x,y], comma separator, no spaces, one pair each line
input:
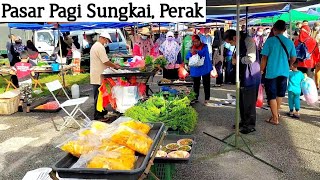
[52,105]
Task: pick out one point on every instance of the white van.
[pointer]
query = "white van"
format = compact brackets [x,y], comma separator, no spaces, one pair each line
[45,41]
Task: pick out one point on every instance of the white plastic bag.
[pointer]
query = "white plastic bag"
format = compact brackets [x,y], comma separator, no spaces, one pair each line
[126,97]
[196,61]
[309,90]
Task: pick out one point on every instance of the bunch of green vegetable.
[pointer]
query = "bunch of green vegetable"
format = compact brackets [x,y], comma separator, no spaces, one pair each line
[149,61]
[175,113]
[161,61]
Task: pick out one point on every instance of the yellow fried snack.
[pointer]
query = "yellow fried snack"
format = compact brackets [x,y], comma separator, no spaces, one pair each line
[121,135]
[137,125]
[108,145]
[112,161]
[133,139]
[86,132]
[77,147]
[140,143]
[99,126]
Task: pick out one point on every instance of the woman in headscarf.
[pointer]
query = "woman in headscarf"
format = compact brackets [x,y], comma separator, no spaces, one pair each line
[203,71]
[308,65]
[170,50]
[143,44]
[33,53]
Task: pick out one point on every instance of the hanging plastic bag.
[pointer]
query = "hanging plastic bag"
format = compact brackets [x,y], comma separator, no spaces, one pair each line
[142,88]
[309,90]
[196,61]
[260,97]
[182,72]
[214,73]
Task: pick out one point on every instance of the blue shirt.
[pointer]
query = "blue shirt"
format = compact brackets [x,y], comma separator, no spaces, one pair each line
[207,65]
[277,64]
[295,79]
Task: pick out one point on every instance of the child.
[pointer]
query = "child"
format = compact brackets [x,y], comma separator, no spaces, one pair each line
[294,90]
[24,71]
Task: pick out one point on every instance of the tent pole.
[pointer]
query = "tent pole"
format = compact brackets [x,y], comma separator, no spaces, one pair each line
[63,80]
[237,77]
[247,9]
[290,24]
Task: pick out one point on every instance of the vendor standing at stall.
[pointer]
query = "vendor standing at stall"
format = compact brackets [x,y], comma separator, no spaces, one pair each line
[170,50]
[143,44]
[99,61]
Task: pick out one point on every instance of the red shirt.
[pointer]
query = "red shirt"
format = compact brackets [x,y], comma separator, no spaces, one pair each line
[23,71]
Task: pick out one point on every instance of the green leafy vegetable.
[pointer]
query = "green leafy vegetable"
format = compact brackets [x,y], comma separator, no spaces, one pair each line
[176,113]
[161,61]
[149,60]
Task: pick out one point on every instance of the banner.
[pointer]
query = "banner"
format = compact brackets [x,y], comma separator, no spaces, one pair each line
[102,11]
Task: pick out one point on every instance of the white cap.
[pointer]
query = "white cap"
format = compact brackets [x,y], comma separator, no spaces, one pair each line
[106,35]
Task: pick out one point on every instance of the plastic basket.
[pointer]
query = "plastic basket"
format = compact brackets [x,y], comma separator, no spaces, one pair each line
[55,67]
[163,171]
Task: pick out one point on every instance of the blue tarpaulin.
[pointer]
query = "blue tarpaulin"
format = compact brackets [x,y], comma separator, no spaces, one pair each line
[233,17]
[69,26]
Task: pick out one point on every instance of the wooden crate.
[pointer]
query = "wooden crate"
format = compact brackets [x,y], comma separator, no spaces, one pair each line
[9,102]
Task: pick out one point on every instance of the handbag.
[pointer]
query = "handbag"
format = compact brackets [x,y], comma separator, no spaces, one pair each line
[196,61]
[218,55]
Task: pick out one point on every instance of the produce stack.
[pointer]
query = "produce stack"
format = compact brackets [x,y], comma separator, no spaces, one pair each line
[172,110]
[111,147]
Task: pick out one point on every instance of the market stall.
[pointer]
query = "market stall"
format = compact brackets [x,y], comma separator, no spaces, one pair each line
[124,149]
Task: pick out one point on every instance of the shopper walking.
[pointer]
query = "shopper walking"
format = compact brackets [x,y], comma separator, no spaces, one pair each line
[198,48]
[276,52]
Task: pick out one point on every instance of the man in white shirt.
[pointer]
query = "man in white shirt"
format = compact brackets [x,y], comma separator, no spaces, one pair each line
[99,61]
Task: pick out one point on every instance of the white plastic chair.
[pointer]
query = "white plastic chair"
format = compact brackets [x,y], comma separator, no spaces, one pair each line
[56,85]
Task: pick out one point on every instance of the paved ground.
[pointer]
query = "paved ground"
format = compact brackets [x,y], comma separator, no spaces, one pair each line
[28,141]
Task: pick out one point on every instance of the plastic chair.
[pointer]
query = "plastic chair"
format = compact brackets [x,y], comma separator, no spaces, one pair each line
[56,85]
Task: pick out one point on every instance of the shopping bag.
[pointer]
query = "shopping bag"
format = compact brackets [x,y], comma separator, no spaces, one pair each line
[214,73]
[182,72]
[196,61]
[309,90]
[259,102]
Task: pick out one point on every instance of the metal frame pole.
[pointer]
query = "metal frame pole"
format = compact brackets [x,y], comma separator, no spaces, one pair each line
[237,77]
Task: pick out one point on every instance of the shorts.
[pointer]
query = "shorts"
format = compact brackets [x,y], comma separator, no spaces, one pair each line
[276,87]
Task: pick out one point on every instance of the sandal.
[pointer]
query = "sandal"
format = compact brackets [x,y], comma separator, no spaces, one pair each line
[271,121]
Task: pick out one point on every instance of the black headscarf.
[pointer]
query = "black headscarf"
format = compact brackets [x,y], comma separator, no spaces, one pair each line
[76,42]
[31,46]
[64,47]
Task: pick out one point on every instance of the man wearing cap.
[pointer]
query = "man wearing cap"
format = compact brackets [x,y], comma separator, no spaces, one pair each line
[99,61]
